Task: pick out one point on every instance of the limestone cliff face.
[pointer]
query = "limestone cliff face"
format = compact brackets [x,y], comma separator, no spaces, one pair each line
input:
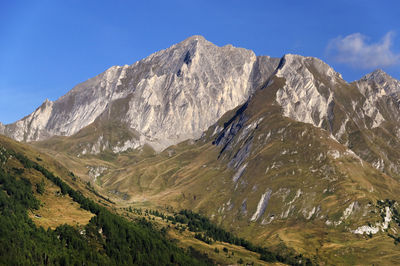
[178,93]
[314,93]
[170,96]
[364,115]
[380,83]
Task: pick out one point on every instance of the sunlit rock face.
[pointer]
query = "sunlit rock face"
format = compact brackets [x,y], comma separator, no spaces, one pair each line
[177,93]
[172,95]
[302,97]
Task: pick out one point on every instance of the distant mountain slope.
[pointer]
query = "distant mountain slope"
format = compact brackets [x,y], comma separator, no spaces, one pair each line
[294,164]
[165,98]
[363,115]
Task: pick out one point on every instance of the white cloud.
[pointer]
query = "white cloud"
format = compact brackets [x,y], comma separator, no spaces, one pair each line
[354,50]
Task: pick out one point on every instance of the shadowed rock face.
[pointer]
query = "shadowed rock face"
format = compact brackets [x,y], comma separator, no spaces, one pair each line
[172,95]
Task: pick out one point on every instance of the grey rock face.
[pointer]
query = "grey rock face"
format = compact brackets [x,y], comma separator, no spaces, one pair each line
[302,98]
[170,96]
[356,114]
[382,96]
[363,115]
[314,93]
[381,82]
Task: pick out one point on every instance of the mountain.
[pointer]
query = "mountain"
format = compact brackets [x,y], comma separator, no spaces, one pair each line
[380,80]
[170,96]
[363,115]
[280,169]
[300,153]
[302,159]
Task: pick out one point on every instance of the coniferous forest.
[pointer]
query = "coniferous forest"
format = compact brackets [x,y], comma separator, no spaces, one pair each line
[107,239]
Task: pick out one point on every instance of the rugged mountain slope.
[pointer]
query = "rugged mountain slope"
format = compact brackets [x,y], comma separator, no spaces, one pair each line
[165,98]
[308,160]
[363,115]
[299,154]
[382,143]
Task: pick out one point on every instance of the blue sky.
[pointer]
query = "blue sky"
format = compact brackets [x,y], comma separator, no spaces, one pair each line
[47,47]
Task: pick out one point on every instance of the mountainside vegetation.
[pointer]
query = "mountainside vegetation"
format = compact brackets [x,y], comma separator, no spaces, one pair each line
[101,236]
[106,240]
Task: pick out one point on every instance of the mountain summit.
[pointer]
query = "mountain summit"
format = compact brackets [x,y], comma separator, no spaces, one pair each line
[383,81]
[178,93]
[170,96]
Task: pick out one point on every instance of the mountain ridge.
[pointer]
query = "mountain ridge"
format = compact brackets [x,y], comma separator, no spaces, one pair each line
[175,110]
[213,77]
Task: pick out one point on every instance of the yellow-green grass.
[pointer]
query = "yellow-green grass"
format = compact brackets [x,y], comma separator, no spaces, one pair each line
[57,209]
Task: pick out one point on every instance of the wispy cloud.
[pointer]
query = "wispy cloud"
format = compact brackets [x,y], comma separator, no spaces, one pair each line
[355,50]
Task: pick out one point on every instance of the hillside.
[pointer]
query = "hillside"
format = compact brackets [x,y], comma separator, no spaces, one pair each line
[99,237]
[282,152]
[274,170]
[58,225]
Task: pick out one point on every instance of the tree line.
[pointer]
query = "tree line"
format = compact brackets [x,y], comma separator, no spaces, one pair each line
[208,232]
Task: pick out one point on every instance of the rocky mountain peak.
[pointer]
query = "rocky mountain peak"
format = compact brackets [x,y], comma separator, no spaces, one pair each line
[177,93]
[378,84]
[47,102]
[300,64]
[382,82]
[194,40]
[167,97]
[307,94]
[377,74]
[314,93]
